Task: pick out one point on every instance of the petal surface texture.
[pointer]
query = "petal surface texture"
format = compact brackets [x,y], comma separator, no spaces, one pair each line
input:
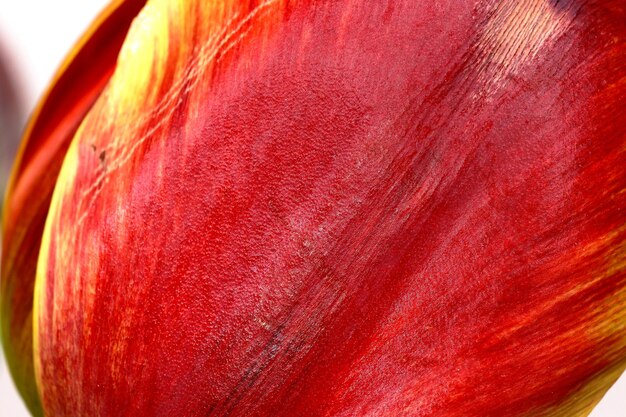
[343,208]
[76,86]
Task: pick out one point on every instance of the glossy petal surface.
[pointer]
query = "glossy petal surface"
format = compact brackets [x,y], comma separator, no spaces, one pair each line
[344,208]
[78,83]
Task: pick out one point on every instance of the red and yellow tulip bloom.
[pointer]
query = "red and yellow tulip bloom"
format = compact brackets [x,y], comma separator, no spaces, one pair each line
[325,208]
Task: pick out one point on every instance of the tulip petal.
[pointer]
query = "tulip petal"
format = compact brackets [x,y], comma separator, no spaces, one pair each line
[76,86]
[344,208]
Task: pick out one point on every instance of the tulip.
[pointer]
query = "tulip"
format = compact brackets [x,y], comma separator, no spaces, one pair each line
[324,208]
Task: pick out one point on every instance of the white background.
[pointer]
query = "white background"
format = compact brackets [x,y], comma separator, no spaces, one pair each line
[38,33]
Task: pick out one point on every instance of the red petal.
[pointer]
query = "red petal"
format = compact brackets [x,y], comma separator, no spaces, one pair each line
[343,208]
[76,86]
